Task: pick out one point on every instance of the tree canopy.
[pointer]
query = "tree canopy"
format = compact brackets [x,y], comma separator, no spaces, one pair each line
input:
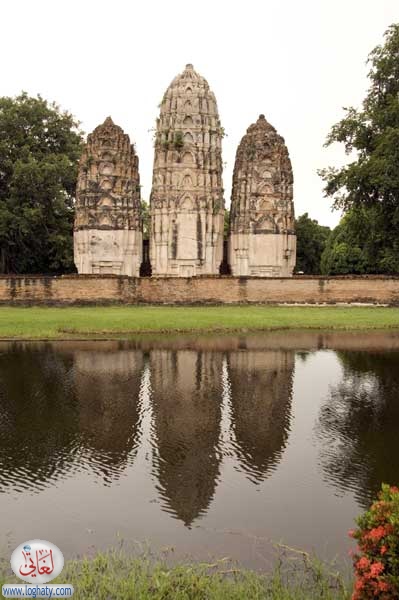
[40,147]
[343,254]
[311,241]
[368,187]
[357,245]
[146,217]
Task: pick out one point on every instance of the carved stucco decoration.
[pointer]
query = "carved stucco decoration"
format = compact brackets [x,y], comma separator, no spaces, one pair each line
[187,206]
[108,227]
[261,235]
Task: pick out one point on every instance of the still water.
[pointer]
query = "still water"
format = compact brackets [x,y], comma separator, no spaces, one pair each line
[214,446]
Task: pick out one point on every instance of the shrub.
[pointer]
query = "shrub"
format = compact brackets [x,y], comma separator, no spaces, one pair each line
[376,561]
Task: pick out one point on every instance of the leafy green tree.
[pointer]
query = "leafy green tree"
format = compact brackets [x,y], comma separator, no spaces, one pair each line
[145,215]
[369,185]
[340,256]
[226,225]
[39,150]
[357,244]
[311,240]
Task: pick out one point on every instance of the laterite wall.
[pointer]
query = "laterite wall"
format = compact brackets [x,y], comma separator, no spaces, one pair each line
[94,289]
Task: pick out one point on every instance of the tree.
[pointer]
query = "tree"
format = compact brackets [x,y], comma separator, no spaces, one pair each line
[370,184]
[39,150]
[226,225]
[357,244]
[311,240]
[146,217]
[340,256]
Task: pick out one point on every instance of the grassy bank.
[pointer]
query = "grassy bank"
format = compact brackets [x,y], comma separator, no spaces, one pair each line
[115,575]
[114,321]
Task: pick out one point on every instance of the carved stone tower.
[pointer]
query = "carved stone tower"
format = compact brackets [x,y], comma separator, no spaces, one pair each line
[262,239]
[108,228]
[187,205]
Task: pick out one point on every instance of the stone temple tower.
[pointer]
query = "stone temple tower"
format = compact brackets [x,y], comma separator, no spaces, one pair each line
[108,228]
[262,239]
[187,205]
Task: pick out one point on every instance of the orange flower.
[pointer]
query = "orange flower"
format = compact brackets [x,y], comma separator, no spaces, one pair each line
[359,585]
[377,533]
[372,560]
[376,569]
[363,563]
[351,533]
[383,586]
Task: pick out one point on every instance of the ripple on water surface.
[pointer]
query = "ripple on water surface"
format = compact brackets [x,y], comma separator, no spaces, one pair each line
[180,442]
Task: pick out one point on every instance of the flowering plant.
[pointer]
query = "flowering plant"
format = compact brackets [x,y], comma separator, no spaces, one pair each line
[376,562]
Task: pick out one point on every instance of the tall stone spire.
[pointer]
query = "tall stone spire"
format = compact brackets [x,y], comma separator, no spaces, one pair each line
[187,205]
[262,239]
[108,228]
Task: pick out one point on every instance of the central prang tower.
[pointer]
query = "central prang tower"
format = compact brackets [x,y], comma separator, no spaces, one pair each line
[187,205]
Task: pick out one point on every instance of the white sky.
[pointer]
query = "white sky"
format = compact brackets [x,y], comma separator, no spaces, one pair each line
[297,61]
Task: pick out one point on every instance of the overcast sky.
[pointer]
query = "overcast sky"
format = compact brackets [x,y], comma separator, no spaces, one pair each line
[298,62]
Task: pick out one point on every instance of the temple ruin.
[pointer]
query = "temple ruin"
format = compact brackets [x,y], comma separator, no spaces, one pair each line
[187,205]
[262,239]
[108,229]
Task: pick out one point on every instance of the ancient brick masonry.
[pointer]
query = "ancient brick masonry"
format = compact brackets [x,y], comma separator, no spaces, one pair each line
[95,289]
[262,239]
[108,229]
[187,206]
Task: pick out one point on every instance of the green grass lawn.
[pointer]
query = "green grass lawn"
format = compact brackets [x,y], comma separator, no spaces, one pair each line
[117,576]
[114,321]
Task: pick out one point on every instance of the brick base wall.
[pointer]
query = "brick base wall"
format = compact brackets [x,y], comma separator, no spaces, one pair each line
[93,289]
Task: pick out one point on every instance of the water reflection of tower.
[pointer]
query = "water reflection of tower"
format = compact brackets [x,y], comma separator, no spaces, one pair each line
[107,386]
[186,388]
[261,394]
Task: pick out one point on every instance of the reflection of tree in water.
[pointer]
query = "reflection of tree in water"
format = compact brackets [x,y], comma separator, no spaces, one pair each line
[38,417]
[359,425]
[65,411]
[107,386]
[186,399]
[261,393]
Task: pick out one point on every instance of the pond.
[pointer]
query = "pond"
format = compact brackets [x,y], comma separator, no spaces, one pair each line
[211,445]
